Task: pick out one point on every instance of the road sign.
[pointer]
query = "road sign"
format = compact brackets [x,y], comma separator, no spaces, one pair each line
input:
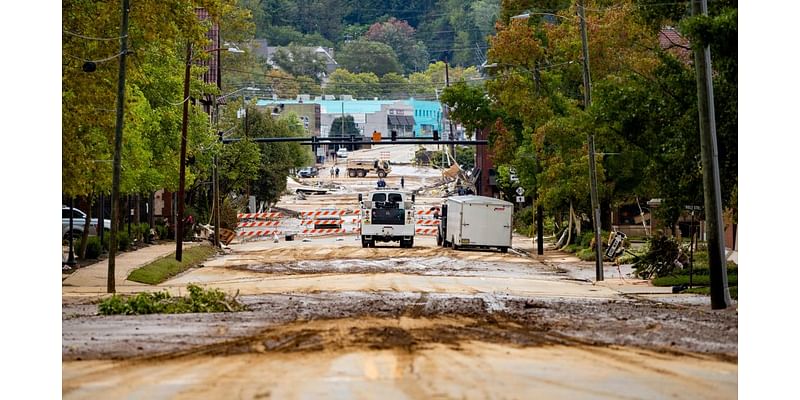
[513,175]
[520,191]
[613,247]
[520,199]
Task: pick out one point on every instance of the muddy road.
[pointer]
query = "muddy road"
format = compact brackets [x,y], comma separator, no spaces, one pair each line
[327,318]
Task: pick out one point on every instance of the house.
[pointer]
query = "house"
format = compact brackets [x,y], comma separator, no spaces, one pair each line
[265,53]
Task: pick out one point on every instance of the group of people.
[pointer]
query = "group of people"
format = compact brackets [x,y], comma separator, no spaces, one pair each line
[334,172]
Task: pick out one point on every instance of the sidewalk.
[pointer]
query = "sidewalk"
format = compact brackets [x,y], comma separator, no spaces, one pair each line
[96,275]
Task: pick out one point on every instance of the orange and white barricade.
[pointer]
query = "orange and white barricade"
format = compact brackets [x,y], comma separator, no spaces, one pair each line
[426,231]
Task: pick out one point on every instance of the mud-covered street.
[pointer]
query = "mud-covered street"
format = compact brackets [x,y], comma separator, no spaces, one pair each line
[329,317]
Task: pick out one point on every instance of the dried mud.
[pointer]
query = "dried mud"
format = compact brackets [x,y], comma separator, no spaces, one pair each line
[408,321]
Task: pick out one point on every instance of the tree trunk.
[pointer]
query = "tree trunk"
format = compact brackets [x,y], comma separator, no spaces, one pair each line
[641,212]
[86,224]
[138,219]
[569,226]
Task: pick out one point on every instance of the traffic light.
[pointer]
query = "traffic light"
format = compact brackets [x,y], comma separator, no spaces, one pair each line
[436,135]
[394,136]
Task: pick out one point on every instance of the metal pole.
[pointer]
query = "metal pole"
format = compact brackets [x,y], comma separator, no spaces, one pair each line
[101,222]
[112,245]
[182,179]
[71,258]
[718,277]
[587,99]
[540,230]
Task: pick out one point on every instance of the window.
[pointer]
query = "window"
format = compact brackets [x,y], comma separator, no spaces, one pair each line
[395,197]
[379,197]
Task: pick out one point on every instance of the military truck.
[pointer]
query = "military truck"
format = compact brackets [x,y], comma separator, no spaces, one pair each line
[361,167]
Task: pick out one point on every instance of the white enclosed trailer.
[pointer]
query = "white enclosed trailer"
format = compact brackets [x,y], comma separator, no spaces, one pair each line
[476,221]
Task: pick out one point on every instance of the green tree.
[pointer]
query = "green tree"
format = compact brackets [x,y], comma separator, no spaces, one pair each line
[360,85]
[367,56]
[469,106]
[348,130]
[276,160]
[394,86]
[399,35]
[300,61]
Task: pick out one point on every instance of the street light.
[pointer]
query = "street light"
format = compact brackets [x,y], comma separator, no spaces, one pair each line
[184,129]
[590,137]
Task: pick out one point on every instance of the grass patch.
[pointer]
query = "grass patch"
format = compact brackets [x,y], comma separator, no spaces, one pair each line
[164,268]
[733,290]
[199,301]
[700,280]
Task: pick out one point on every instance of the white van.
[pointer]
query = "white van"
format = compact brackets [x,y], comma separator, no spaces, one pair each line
[341,153]
[475,221]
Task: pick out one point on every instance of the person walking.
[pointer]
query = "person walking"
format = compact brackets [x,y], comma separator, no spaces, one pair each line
[333,170]
[337,172]
[402,182]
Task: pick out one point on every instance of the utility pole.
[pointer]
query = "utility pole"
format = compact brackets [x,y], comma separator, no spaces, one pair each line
[450,121]
[718,277]
[182,178]
[587,99]
[112,243]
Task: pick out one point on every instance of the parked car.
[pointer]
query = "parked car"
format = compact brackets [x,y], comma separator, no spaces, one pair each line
[308,172]
[78,220]
[341,153]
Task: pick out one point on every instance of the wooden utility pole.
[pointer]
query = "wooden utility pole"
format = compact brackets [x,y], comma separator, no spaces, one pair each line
[182,178]
[587,99]
[718,277]
[112,243]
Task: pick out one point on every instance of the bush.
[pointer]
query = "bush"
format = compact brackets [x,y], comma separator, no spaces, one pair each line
[123,240]
[162,231]
[93,247]
[140,230]
[199,301]
[523,221]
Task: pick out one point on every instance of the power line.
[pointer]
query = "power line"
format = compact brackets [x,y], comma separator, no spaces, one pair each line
[95,61]
[90,37]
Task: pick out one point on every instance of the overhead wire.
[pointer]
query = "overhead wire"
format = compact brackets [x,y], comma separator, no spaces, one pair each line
[95,61]
[90,37]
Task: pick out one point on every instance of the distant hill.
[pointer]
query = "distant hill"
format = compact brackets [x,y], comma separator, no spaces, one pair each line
[425,30]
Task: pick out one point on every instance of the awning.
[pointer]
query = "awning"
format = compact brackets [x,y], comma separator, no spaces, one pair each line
[401,120]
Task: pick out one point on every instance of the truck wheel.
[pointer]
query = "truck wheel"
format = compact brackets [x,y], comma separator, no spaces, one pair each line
[362,173]
[364,242]
[381,174]
[410,243]
[504,249]
[371,243]
[351,173]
